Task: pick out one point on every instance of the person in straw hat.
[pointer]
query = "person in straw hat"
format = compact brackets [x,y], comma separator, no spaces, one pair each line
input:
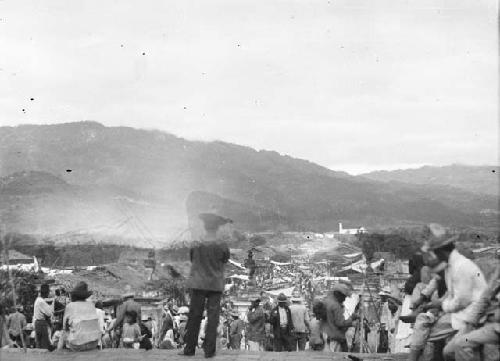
[80,321]
[464,282]
[206,282]
[336,324]
[300,319]
[283,328]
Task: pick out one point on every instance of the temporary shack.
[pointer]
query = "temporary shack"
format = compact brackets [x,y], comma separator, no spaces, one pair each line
[16,258]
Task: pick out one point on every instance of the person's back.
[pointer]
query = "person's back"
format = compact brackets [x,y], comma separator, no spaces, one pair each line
[16,323]
[206,282]
[131,334]
[82,321]
[300,317]
[316,340]
[208,260]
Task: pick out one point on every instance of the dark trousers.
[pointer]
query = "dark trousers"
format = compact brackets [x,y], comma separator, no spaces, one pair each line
[17,340]
[283,341]
[42,338]
[299,341]
[200,298]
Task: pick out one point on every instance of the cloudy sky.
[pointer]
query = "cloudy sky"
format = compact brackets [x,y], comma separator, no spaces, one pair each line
[353,85]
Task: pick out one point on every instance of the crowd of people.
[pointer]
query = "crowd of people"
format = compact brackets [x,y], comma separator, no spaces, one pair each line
[454,311]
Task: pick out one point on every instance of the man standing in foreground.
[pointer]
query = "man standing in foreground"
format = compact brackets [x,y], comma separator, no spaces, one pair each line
[206,282]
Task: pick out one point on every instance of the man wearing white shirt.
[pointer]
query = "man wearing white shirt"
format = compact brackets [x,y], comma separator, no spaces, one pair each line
[41,315]
[465,284]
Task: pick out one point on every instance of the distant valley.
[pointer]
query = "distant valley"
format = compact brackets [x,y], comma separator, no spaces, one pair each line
[85,177]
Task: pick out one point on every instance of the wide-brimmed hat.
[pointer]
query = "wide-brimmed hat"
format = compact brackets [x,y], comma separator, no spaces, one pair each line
[441,242]
[438,238]
[342,288]
[385,291]
[128,295]
[282,298]
[213,221]
[81,290]
[183,310]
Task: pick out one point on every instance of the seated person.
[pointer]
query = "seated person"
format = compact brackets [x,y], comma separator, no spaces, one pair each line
[131,336]
[467,347]
[425,291]
[80,321]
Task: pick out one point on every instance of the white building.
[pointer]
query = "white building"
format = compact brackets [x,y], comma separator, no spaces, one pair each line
[351,230]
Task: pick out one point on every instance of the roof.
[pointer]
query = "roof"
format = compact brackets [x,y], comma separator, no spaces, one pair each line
[13,254]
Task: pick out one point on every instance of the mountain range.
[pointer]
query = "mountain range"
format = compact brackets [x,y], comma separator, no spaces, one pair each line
[81,177]
[477,179]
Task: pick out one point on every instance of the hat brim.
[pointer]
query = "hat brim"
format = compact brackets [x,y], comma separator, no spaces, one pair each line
[344,290]
[437,244]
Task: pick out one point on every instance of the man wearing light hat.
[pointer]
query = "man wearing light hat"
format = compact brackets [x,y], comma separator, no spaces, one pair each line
[464,282]
[336,324]
[300,319]
[206,281]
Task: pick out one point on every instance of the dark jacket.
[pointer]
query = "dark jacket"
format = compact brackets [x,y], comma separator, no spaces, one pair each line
[275,322]
[207,265]
[145,342]
[336,324]
[256,324]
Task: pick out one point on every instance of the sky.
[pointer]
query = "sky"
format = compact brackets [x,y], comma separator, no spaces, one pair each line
[353,85]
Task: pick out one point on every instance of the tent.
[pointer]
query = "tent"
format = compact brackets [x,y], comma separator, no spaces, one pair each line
[286,291]
[240,277]
[234,263]
[280,263]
